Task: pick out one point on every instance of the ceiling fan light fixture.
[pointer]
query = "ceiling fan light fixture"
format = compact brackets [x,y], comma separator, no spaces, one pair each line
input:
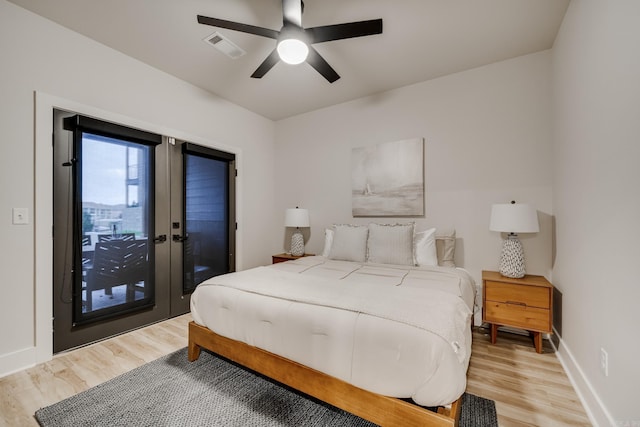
[293,51]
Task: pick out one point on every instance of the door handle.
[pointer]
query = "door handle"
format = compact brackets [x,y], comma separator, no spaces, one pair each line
[179,238]
[160,239]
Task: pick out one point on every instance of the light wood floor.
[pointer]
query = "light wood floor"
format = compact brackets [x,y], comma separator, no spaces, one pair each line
[528,388]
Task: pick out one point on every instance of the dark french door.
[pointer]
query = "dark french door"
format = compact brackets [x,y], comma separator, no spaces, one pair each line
[139,221]
[206,198]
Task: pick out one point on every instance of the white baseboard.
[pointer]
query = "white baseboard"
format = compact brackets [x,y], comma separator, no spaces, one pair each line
[593,405]
[17,361]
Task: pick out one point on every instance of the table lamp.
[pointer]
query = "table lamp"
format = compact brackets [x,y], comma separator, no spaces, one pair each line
[513,218]
[297,218]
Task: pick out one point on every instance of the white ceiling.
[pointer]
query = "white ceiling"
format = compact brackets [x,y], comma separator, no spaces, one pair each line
[421,40]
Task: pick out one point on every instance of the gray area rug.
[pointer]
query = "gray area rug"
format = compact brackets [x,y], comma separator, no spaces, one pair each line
[211,391]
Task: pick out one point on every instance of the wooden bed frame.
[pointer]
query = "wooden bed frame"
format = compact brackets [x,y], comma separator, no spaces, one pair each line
[381,410]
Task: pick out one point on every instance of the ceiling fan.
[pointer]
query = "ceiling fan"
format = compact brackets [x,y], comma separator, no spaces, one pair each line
[294,41]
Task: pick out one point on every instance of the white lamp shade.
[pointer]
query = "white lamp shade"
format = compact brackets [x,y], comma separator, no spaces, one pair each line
[514,218]
[296,218]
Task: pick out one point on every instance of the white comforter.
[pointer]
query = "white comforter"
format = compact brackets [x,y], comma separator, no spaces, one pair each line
[395,330]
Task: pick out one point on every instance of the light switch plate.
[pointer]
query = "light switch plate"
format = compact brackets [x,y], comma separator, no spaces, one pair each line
[20,215]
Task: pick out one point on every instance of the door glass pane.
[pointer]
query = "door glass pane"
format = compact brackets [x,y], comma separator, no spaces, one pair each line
[206,199]
[114,188]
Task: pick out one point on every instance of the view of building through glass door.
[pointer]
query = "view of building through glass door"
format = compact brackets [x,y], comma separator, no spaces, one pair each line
[121,259]
[116,202]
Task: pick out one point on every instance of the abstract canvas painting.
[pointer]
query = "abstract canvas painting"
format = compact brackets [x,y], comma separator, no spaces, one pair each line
[388,179]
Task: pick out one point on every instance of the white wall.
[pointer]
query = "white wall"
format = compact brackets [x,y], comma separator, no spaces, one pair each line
[487,138]
[38,55]
[596,83]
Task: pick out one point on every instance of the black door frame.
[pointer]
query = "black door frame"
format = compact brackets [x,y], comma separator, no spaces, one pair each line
[168,302]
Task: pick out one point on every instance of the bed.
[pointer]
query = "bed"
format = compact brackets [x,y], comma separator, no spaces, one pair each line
[380,334]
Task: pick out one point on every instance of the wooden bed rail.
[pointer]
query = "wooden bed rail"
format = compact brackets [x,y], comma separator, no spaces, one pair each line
[381,410]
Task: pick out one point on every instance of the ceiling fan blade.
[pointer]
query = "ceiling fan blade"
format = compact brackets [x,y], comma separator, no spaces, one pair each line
[344,31]
[266,65]
[318,62]
[292,12]
[236,26]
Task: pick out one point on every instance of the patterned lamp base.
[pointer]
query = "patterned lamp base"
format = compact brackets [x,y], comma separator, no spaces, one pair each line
[297,243]
[512,258]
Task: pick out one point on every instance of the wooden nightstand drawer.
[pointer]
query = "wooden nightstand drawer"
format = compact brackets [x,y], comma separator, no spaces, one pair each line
[531,296]
[519,316]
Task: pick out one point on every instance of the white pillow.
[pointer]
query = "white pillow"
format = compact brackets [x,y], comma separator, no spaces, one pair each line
[349,243]
[425,248]
[446,247]
[328,240]
[390,244]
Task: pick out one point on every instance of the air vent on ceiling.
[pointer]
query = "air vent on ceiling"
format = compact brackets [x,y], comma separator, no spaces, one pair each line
[224,45]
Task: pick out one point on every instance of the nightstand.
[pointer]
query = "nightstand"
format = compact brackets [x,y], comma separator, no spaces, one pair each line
[286,257]
[524,303]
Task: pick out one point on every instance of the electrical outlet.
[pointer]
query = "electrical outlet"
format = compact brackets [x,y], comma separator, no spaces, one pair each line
[604,362]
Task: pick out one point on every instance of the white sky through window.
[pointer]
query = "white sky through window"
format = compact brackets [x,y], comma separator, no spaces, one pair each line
[103,171]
